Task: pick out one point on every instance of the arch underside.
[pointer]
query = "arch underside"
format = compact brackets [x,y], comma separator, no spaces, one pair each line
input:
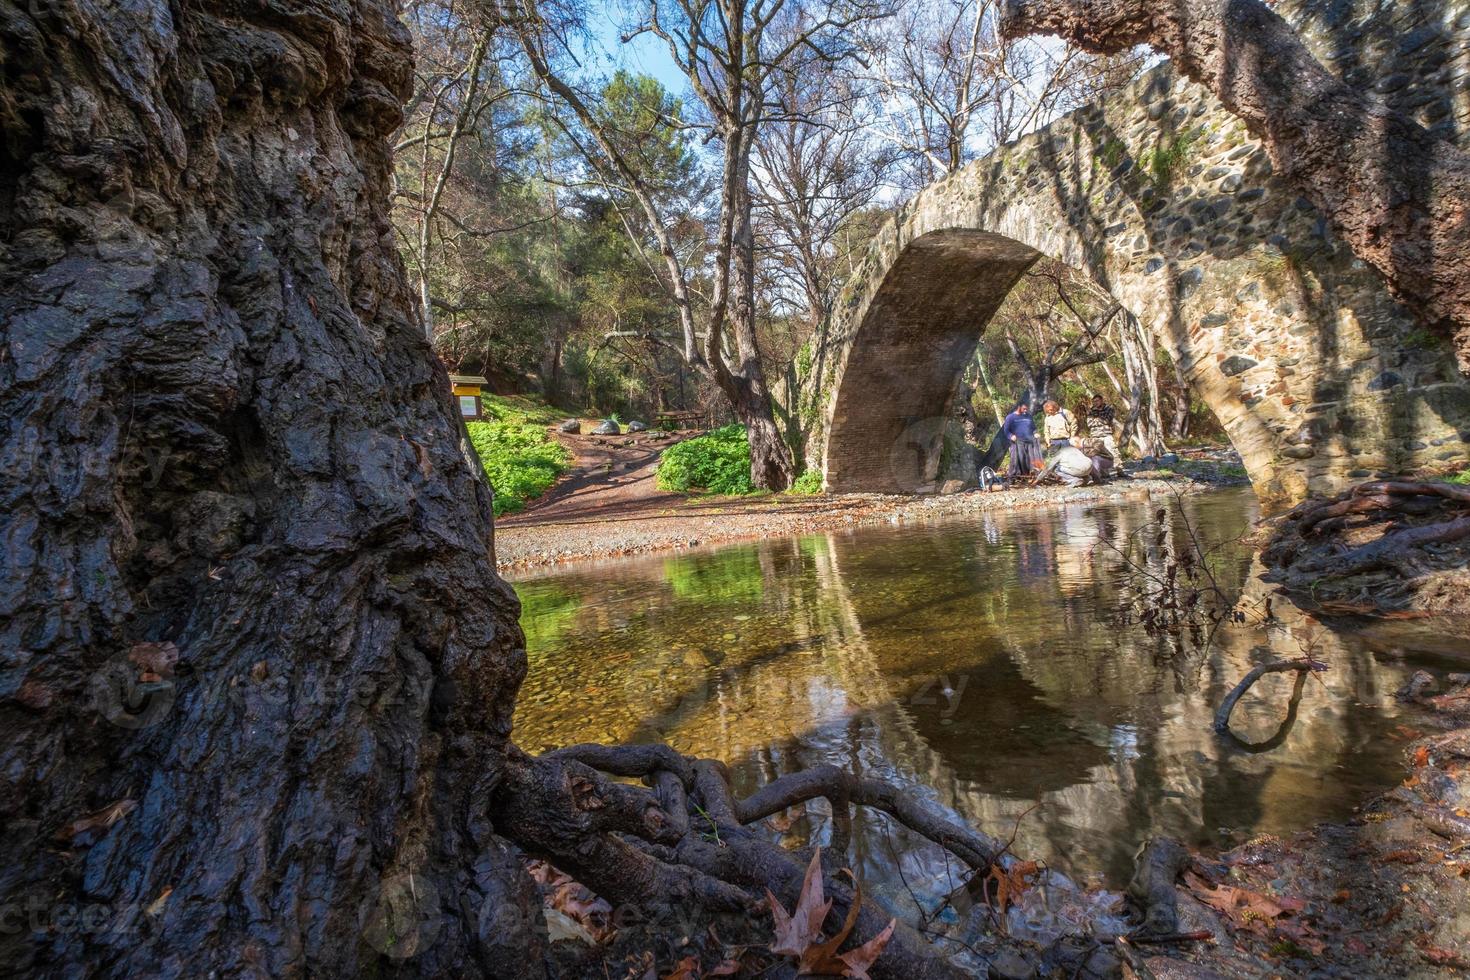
[920,330]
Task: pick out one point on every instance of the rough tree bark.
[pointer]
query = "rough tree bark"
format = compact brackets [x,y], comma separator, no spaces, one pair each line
[224,435]
[256,668]
[1399,197]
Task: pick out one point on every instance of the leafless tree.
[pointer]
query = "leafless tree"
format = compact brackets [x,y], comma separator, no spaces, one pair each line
[731,52]
[815,172]
[948,87]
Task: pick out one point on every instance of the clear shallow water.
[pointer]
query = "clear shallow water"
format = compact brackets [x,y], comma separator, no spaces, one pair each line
[979,660]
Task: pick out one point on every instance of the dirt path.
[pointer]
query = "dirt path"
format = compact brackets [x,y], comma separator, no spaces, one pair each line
[608,479]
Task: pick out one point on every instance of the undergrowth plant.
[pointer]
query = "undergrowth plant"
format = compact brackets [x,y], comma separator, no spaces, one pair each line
[809,483]
[717,462]
[521,461]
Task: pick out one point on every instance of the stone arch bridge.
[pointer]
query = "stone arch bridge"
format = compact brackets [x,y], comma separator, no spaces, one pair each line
[1160,194]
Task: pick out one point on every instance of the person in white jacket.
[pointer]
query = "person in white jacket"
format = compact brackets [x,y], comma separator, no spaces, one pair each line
[1060,427]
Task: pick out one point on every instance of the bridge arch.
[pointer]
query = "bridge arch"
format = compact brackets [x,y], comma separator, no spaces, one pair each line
[1318,376]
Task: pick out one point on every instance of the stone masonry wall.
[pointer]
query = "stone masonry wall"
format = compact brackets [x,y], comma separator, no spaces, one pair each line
[1319,377]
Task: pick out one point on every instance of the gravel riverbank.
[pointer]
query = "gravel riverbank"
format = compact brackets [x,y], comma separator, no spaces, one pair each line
[525,542]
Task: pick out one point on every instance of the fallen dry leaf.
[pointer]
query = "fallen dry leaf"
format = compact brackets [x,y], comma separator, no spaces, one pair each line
[781,822]
[797,931]
[156,907]
[800,933]
[858,960]
[1440,956]
[685,969]
[1245,908]
[87,829]
[1010,884]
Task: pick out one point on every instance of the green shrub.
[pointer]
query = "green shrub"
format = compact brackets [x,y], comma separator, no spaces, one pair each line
[520,408]
[520,460]
[808,483]
[718,462]
[1462,478]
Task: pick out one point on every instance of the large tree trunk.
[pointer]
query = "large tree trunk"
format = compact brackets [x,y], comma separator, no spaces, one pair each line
[771,464]
[225,435]
[1396,195]
[258,669]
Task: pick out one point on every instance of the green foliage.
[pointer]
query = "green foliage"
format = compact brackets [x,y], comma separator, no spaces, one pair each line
[1462,478]
[1421,339]
[718,462]
[520,461]
[809,483]
[520,409]
[1165,161]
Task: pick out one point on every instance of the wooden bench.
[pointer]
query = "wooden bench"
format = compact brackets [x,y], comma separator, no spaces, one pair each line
[677,420]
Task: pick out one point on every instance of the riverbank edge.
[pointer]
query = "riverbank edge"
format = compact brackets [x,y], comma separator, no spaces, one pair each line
[533,547]
[1369,890]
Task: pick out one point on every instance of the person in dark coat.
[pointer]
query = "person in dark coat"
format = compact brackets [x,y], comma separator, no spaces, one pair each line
[1020,431]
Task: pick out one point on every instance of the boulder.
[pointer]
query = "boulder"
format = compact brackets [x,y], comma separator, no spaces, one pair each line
[571,427]
[953,486]
[607,428]
[637,427]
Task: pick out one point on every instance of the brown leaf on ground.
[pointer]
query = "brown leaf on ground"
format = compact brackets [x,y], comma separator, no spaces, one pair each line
[1440,956]
[1245,908]
[781,822]
[685,969]
[800,934]
[858,960]
[802,928]
[561,893]
[725,968]
[1010,884]
[1402,857]
[91,827]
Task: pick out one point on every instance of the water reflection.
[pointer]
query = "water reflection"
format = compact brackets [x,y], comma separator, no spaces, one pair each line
[977,660]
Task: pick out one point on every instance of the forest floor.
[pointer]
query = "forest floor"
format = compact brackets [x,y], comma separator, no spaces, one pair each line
[609,505]
[1386,894]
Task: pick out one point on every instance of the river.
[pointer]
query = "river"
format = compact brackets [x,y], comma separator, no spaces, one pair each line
[982,660]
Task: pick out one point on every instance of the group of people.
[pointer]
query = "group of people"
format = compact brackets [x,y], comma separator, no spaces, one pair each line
[1075,453]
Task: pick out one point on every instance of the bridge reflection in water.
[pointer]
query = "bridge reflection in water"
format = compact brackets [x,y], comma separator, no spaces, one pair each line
[978,660]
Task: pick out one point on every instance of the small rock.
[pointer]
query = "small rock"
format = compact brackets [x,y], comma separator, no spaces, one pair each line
[952,486]
[1006,965]
[637,427]
[1420,684]
[571,426]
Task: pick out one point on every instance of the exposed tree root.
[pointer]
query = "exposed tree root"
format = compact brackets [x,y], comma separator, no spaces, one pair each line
[686,840]
[1385,548]
[1227,707]
[1160,863]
